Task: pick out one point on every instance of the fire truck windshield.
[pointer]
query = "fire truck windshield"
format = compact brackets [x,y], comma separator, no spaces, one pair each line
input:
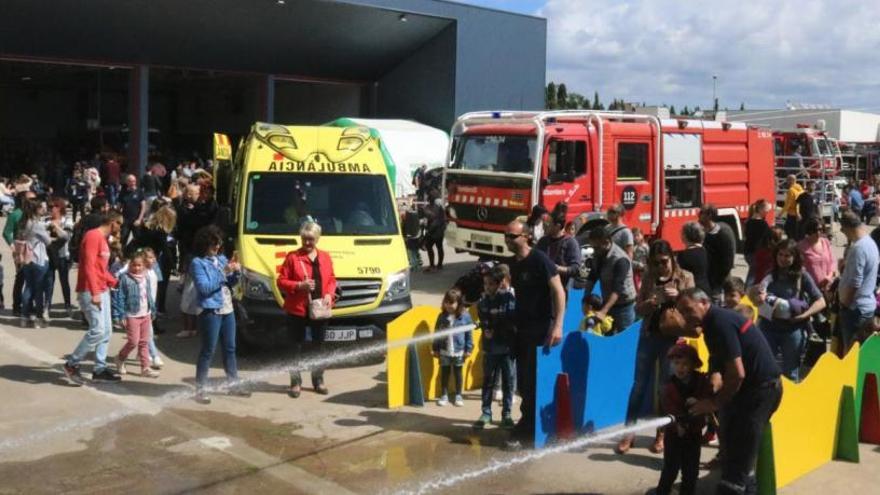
[512,154]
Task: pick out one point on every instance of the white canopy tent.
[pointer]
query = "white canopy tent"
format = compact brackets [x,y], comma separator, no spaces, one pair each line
[410,145]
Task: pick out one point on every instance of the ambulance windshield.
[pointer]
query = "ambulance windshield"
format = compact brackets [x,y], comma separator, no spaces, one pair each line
[495,154]
[349,204]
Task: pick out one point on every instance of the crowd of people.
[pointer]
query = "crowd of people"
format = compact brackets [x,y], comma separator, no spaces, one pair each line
[756,329]
[129,236]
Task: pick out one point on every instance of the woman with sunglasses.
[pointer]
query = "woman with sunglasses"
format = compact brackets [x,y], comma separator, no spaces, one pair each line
[213,277]
[306,275]
[662,283]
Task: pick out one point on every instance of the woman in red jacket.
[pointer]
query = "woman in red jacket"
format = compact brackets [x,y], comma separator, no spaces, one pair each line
[306,272]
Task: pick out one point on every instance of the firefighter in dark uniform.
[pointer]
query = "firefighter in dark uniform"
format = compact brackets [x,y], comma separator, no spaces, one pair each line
[746,377]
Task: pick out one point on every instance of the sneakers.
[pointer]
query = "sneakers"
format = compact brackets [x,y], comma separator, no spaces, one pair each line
[443,400]
[149,373]
[482,422]
[459,402]
[202,397]
[105,375]
[120,366]
[74,377]
[507,423]
[158,363]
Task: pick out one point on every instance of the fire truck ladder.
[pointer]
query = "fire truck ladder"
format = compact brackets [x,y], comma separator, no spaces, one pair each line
[541,119]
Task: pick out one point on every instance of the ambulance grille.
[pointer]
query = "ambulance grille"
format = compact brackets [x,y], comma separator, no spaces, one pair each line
[357,291]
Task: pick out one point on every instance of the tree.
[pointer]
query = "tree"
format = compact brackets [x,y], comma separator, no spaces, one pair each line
[685,112]
[597,105]
[576,101]
[672,110]
[550,97]
[742,107]
[561,95]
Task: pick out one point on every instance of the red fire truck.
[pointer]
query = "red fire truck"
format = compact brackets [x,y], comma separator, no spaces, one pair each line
[661,171]
[807,149]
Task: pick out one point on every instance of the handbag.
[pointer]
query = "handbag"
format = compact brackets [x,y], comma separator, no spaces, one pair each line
[189,298]
[22,253]
[319,309]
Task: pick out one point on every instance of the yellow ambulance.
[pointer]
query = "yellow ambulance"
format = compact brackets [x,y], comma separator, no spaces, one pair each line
[282,175]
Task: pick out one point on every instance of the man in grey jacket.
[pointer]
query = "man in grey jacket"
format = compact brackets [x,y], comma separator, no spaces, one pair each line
[612,268]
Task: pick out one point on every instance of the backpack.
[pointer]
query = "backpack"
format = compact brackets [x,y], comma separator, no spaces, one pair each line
[22,253]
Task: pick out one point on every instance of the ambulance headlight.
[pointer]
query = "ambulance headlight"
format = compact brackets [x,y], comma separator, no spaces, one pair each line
[282,142]
[256,286]
[398,286]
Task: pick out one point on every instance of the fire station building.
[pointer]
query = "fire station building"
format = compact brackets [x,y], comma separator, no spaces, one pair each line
[152,76]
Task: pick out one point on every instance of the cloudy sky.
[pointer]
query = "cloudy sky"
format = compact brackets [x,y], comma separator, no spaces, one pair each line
[666,51]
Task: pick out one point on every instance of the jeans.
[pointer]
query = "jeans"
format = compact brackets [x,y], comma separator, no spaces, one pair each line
[852,322]
[415,260]
[788,342]
[446,367]
[624,315]
[97,337]
[17,289]
[138,330]
[430,244]
[214,327]
[493,365]
[750,276]
[652,348]
[63,269]
[680,453]
[296,330]
[112,190]
[151,346]
[529,339]
[33,294]
[742,427]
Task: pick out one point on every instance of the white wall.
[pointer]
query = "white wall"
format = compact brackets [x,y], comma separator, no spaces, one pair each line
[859,127]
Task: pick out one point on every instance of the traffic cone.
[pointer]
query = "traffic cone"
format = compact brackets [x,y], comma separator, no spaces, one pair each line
[564,418]
[414,377]
[869,429]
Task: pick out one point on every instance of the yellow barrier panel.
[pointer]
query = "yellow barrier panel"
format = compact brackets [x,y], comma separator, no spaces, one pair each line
[699,343]
[806,424]
[416,322]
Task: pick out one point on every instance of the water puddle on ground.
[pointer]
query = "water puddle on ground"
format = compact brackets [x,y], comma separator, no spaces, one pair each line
[186,450]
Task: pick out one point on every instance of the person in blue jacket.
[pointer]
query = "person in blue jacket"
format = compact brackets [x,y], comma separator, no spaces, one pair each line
[214,276]
[453,349]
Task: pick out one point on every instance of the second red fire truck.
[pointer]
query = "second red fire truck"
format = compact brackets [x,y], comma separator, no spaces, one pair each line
[660,170]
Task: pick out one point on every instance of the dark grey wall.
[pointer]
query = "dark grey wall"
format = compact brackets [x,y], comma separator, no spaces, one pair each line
[501,57]
[422,87]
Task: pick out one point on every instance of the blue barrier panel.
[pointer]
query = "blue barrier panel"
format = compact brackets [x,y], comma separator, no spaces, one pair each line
[600,371]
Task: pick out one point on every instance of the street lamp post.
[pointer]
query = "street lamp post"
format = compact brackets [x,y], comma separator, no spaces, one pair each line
[714,93]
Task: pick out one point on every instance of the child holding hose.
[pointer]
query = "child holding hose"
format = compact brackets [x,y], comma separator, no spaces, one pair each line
[683,438]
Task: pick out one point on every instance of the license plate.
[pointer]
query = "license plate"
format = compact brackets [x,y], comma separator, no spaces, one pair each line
[342,335]
[481,238]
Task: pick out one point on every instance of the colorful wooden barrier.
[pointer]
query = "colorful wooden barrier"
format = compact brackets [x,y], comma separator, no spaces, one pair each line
[589,378]
[401,364]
